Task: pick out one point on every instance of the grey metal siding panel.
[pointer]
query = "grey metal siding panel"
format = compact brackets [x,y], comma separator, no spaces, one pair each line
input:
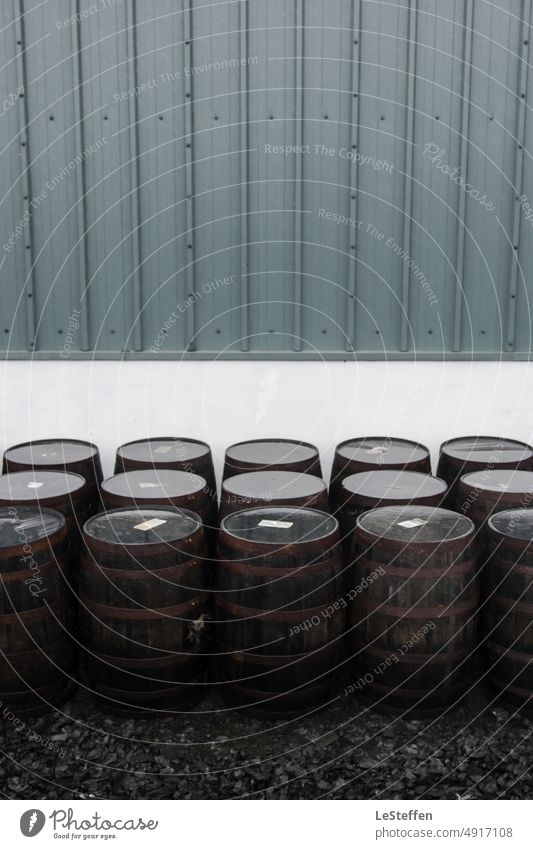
[174,227]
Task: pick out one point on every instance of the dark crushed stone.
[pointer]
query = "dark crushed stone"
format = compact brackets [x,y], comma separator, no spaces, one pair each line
[480,751]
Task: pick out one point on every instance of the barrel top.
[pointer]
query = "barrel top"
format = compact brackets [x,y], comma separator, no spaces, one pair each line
[268,486]
[500,480]
[154,483]
[382,449]
[269,451]
[164,449]
[487,449]
[142,527]
[415,523]
[279,525]
[24,525]
[38,485]
[517,524]
[52,452]
[391,484]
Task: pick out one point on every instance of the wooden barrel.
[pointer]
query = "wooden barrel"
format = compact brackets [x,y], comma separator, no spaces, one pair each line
[37,658]
[376,453]
[480,494]
[160,486]
[268,455]
[144,603]
[62,455]
[467,454]
[508,608]
[281,612]
[168,452]
[388,488]
[415,620]
[67,493]
[277,489]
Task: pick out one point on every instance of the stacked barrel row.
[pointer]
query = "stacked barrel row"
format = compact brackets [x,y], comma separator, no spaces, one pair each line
[299,586]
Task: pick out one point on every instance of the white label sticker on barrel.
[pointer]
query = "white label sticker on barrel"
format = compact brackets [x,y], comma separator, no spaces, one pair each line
[270,523]
[379,449]
[412,523]
[151,523]
[148,485]
[163,449]
[34,485]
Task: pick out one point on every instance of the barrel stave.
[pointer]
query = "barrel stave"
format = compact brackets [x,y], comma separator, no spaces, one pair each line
[414,627]
[280,608]
[145,615]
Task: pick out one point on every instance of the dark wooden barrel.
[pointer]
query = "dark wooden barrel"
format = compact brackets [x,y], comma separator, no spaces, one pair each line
[268,455]
[480,494]
[67,493]
[37,658]
[168,452]
[415,619]
[467,454]
[376,453]
[63,455]
[160,486]
[144,600]
[281,609]
[388,488]
[508,608]
[277,489]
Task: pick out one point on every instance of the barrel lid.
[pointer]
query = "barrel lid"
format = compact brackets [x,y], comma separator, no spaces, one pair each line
[415,523]
[267,452]
[500,480]
[51,452]
[279,525]
[143,526]
[391,484]
[39,485]
[154,483]
[487,449]
[517,524]
[23,525]
[164,449]
[269,486]
[382,449]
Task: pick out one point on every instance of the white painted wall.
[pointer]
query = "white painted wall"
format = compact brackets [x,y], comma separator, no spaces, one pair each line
[223,402]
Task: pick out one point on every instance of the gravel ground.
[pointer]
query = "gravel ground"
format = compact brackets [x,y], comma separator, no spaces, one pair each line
[479,751]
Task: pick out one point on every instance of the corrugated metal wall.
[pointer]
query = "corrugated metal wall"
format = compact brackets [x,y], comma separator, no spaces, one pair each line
[266,178]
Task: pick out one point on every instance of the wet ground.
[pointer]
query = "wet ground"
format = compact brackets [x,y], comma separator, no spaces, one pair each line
[479,751]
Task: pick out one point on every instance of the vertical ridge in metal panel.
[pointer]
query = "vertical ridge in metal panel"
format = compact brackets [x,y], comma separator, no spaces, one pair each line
[519,167]
[299,95]
[464,133]
[133,119]
[83,260]
[24,142]
[409,164]
[189,171]
[354,172]
[244,132]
